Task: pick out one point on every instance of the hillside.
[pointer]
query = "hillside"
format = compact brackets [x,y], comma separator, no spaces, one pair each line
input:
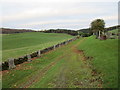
[66,31]
[70,32]
[16,45]
[11,31]
[105,58]
[80,64]
[87,30]
[115,31]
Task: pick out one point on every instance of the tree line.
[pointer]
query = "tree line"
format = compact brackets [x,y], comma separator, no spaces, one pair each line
[97,27]
[71,32]
[12,31]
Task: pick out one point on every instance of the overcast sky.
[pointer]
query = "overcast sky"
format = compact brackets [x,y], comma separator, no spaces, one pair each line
[48,14]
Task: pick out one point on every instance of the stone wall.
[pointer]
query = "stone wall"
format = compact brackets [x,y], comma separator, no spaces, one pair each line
[11,63]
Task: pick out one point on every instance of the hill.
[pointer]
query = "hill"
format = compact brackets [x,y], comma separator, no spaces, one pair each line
[115,31]
[87,30]
[16,45]
[84,63]
[70,32]
[112,28]
[66,31]
[105,58]
[11,31]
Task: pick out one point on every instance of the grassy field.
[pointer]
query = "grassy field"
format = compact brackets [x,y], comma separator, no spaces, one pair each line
[16,45]
[66,67]
[114,31]
[105,55]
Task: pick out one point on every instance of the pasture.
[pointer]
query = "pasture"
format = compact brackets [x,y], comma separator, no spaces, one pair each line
[16,45]
[114,31]
[84,63]
[105,58]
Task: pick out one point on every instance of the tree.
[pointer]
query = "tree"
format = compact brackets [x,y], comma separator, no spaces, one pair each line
[97,26]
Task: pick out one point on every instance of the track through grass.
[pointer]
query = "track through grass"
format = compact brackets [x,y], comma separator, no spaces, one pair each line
[63,68]
[68,67]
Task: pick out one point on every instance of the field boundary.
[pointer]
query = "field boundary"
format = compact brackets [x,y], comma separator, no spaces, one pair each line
[12,62]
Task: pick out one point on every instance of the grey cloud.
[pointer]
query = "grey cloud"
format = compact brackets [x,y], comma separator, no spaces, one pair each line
[44,15]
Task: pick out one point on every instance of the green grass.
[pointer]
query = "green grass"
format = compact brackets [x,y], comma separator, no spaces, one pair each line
[60,68]
[114,31]
[64,68]
[16,45]
[105,54]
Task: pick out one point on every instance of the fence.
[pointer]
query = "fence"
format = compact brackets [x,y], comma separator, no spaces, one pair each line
[11,63]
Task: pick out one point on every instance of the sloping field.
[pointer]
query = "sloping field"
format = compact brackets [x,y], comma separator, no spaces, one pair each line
[105,53]
[114,31]
[16,45]
[84,63]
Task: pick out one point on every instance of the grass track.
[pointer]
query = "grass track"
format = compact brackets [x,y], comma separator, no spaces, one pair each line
[66,68]
[63,68]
